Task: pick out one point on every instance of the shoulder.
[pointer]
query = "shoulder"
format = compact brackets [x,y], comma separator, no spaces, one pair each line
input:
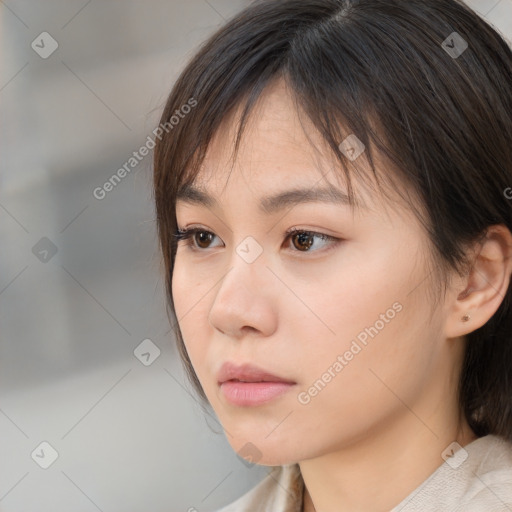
[489,483]
[280,490]
[476,478]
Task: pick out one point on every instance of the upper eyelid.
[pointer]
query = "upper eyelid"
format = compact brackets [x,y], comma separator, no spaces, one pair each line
[192,229]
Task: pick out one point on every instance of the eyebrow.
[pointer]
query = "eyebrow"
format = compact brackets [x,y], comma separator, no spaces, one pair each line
[274,203]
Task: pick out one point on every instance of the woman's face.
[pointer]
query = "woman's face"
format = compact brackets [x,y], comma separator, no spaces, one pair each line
[345,321]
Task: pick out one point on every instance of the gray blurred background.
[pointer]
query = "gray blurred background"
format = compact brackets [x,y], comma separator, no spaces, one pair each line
[87,360]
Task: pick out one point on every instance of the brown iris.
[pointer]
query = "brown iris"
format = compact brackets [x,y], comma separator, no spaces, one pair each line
[305,240]
[203,237]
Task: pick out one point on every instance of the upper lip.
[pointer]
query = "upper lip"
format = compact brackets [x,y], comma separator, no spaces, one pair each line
[248,373]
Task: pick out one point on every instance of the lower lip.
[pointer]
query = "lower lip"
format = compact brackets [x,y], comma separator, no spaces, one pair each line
[253,393]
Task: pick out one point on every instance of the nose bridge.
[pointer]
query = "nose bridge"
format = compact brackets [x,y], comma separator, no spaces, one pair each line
[247,269]
[242,297]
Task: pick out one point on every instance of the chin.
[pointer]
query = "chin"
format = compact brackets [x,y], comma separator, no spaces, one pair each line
[263,452]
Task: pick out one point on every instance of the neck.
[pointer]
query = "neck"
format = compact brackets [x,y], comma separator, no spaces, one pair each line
[357,477]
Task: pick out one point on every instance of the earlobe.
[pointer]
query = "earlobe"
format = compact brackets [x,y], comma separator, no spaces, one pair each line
[485,285]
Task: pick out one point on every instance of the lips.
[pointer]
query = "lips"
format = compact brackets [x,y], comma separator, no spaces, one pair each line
[247,385]
[247,373]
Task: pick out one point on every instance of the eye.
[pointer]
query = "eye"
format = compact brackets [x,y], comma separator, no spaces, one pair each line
[303,240]
[198,239]
[195,238]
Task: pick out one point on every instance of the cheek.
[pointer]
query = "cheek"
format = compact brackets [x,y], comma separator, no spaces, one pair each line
[182,285]
[382,340]
[191,307]
[189,291]
[368,386]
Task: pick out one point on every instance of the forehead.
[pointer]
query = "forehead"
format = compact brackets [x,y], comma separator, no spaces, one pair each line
[280,150]
[279,144]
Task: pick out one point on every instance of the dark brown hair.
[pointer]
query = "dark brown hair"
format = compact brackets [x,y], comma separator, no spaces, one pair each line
[444,119]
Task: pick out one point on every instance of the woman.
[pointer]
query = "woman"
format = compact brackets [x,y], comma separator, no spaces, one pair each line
[334,210]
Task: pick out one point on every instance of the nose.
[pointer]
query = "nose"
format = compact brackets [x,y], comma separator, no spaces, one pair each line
[245,301]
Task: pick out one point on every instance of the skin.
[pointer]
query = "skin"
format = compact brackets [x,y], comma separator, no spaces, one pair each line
[377,430]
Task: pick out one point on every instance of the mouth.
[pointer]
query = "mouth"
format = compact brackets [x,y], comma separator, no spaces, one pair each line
[249,385]
[241,393]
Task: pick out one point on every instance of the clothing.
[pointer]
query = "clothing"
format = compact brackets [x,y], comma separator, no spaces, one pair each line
[482,482]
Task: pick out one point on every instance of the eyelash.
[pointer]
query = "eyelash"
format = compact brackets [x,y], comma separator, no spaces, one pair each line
[188,234]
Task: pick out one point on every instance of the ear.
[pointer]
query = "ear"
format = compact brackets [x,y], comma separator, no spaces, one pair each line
[480,292]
